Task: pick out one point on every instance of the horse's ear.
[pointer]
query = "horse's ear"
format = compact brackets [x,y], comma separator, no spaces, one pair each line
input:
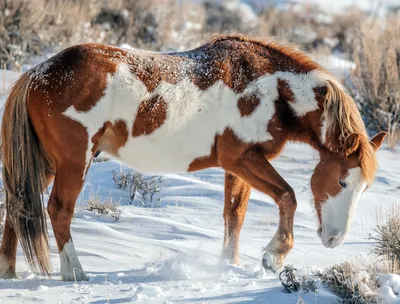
[351,144]
[377,140]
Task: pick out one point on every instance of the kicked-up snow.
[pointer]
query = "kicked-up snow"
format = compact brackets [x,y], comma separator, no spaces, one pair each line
[170,254]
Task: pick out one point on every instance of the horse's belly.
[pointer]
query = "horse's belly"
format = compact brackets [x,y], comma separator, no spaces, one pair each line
[159,155]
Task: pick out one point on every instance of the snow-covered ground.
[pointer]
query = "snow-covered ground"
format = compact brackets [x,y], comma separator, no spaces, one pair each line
[171,254]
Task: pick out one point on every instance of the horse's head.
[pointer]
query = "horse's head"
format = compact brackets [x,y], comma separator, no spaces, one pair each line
[338,181]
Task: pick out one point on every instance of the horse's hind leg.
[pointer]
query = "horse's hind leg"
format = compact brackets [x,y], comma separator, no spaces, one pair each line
[9,243]
[8,251]
[237,194]
[67,185]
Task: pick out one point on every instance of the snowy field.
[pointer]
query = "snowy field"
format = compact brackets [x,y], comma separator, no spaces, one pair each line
[171,254]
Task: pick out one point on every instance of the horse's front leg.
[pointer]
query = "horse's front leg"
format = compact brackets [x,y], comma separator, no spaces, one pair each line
[67,185]
[255,169]
[237,194]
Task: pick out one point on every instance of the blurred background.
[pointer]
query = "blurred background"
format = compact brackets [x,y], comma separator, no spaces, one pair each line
[358,41]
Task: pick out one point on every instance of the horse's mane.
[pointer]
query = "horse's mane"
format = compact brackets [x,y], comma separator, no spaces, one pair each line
[340,110]
[341,113]
[288,50]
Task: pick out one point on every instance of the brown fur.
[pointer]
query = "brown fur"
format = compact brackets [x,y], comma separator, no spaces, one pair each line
[248,104]
[150,116]
[237,193]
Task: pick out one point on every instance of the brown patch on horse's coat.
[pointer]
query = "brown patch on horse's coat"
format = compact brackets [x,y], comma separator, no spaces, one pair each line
[284,90]
[150,116]
[248,103]
[227,149]
[282,57]
[154,68]
[111,137]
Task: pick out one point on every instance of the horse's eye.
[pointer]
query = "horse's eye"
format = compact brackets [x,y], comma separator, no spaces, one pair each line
[342,183]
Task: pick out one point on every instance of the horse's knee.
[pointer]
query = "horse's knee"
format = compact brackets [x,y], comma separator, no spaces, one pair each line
[288,199]
[52,207]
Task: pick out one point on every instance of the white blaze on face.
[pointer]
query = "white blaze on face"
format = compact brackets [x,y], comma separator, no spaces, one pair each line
[338,211]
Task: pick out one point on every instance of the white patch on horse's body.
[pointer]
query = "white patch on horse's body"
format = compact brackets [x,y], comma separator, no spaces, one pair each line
[194,117]
[302,86]
[71,268]
[338,211]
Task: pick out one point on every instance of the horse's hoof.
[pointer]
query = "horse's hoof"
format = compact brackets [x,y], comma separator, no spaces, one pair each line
[9,274]
[268,262]
[6,272]
[78,276]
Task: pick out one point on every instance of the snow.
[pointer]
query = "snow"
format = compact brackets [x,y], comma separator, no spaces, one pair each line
[171,254]
[339,6]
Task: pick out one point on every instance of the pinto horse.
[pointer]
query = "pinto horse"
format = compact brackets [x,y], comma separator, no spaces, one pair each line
[231,103]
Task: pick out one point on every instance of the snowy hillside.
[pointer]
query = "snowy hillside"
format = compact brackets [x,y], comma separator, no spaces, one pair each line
[171,254]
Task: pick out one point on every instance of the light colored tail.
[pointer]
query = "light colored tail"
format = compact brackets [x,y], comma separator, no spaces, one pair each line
[24,175]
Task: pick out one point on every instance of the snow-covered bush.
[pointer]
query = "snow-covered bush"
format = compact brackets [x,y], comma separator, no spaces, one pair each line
[386,238]
[339,280]
[100,206]
[144,190]
[351,284]
[376,77]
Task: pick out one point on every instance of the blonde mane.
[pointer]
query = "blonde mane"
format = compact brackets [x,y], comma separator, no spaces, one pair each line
[341,112]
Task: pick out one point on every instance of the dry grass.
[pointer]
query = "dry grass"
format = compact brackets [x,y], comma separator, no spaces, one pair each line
[345,280]
[386,237]
[144,190]
[100,206]
[376,78]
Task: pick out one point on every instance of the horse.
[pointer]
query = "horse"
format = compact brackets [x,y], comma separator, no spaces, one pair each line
[231,103]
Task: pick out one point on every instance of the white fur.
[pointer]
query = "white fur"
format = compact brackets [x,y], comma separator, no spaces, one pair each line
[71,268]
[338,211]
[194,117]
[270,258]
[302,87]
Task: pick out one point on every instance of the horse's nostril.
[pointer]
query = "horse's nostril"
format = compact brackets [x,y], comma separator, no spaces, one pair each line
[319,231]
[331,240]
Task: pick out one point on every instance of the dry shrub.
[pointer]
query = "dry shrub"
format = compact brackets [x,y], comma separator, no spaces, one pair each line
[152,24]
[376,78]
[310,27]
[145,190]
[339,280]
[30,26]
[345,280]
[386,237]
[100,206]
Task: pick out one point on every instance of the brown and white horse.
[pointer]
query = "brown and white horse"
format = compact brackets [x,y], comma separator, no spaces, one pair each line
[231,103]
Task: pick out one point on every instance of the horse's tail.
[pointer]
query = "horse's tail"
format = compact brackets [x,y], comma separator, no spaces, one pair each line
[24,176]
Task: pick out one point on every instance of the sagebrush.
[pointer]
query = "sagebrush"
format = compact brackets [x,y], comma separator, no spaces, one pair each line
[376,78]
[102,206]
[386,238]
[144,190]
